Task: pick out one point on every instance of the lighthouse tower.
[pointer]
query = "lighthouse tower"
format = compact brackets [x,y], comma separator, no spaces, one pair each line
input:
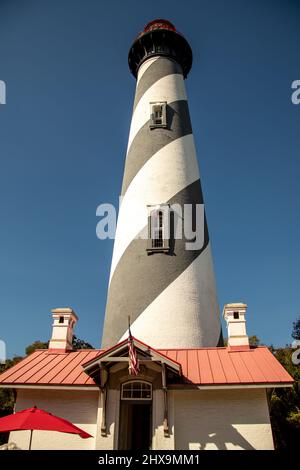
[162,272]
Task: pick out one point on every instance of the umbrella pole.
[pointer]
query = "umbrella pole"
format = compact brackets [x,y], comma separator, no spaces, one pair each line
[30,441]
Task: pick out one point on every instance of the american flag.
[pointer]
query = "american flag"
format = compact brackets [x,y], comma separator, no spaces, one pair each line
[133,360]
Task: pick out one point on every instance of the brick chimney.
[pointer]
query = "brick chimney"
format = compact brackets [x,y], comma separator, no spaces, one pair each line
[64,320]
[234,314]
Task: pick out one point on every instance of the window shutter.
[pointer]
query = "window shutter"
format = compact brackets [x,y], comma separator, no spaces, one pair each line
[152,119]
[164,115]
[149,240]
[166,241]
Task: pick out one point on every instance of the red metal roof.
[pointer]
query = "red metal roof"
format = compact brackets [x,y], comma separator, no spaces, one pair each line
[44,367]
[222,366]
[207,366]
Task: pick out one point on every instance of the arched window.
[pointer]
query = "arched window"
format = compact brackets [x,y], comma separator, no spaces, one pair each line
[136,390]
[159,228]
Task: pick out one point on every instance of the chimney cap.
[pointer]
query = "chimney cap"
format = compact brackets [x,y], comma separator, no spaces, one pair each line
[64,311]
[234,307]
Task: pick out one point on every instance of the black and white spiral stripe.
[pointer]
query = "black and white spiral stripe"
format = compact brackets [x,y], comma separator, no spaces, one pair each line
[171,299]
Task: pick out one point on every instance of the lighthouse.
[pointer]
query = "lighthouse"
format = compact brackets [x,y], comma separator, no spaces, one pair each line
[162,273]
[171,384]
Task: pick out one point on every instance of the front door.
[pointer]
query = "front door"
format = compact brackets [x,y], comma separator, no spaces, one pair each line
[135,426]
[135,423]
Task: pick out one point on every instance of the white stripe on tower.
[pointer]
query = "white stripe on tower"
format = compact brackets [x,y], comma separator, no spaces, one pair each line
[170,298]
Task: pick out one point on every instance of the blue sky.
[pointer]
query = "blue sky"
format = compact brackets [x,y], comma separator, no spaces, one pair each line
[63,136]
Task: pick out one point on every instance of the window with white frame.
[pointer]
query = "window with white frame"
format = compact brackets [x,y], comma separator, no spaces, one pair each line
[158,228]
[136,390]
[158,116]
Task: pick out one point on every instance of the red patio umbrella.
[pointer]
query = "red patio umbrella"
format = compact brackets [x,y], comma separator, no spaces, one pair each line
[36,419]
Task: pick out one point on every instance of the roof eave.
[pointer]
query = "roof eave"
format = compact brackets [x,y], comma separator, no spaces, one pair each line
[50,386]
[174,387]
[191,386]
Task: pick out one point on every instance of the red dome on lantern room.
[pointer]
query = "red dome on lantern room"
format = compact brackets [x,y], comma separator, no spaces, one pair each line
[160,37]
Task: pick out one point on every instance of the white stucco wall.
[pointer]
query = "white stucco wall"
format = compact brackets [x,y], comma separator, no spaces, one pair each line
[198,419]
[79,407]
[222,419]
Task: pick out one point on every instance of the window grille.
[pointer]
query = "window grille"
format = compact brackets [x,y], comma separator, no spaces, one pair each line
[136,390]
[158,116]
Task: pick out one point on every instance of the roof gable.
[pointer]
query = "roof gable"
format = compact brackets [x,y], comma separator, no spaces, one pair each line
[119,353]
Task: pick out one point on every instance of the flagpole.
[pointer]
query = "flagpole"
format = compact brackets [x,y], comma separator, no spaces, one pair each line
[129,341]
[133,362]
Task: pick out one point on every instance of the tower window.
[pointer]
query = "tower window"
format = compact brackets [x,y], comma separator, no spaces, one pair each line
[236,315]
[158,116]
[159,229]
[157,240]
[61,319]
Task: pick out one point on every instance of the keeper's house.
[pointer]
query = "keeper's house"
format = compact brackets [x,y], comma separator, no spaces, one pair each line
[205,398]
